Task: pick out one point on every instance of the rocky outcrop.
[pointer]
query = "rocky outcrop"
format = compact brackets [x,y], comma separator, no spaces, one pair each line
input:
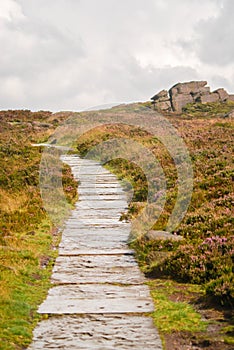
[223,95]
[162,100]
[189,92]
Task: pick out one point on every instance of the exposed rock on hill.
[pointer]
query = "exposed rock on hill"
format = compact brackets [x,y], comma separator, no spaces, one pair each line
[189,92]
[162,100]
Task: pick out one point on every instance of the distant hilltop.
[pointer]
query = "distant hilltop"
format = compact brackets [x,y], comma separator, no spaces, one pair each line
[189,92]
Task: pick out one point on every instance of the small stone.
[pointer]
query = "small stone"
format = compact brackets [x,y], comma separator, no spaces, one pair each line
[162,235]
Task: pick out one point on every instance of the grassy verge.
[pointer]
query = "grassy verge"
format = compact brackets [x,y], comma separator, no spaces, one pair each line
[26,264]
[185,320]
[28,239]
[171,314]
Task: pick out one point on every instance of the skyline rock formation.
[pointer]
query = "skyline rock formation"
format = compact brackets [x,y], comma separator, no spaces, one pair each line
[188,92]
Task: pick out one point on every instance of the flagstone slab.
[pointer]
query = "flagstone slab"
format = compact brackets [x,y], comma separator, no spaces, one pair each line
[90,291]
[90,252]
[95,261]
[96,332]
[93,221]
[89,212]
[70,231]
[100,186]
[98,179]
[102,204]
[111,197]
[130,275]
[76,245]
[93,214]
[111,191]
[97,298]
[96,269]
[101,236]
[91,239]
[83,225]
[115,251]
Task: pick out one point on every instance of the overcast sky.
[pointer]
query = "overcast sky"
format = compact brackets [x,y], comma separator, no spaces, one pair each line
[75,54]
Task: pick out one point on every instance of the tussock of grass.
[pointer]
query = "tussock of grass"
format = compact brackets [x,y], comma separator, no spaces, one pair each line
[170,316]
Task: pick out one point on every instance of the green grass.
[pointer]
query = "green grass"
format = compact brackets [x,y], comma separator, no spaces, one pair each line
[175,316]
[25,271]
[228,334]
[24,286]
[208,110]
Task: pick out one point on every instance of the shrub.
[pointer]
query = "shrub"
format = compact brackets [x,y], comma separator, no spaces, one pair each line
[222,288]
[209,262]
[202,262]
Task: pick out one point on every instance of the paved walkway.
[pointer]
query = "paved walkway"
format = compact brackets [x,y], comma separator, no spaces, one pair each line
[99,299]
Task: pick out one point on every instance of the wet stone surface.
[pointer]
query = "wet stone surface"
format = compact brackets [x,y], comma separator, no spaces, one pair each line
[99,299]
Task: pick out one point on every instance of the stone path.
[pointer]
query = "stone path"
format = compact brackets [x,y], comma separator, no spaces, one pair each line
[99,299]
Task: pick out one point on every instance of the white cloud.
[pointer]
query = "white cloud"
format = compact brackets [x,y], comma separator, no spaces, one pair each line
[10,10]
[73,54]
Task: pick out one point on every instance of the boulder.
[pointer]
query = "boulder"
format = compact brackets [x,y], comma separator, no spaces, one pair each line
[203,91]
[212,97]
[187,88]
[183,93]
[162,96]
[223,95]
[161,101]
[179,101]
[163,105]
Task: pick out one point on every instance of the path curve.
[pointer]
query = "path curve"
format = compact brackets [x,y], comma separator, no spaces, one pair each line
[99,299]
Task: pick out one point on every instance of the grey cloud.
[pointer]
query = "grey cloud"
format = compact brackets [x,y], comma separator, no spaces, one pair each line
[215,37]
[31,47]
[139,83]
[220,81]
